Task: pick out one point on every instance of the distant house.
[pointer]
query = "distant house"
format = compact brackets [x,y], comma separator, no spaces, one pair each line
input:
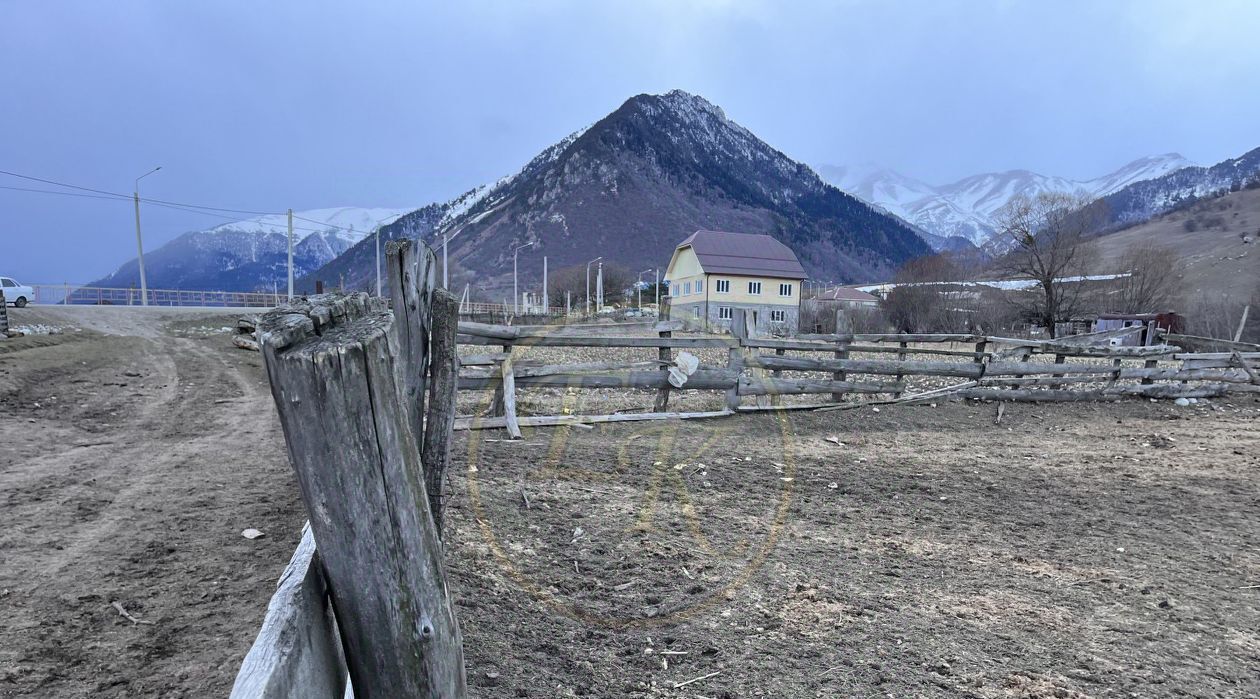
[848,297]
[712,273]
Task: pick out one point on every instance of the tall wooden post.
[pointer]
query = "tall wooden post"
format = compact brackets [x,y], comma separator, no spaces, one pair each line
[352,442]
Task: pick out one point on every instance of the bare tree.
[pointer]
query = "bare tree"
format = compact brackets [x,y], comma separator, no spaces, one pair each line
[1046,232]
[1152,280]
[922,302]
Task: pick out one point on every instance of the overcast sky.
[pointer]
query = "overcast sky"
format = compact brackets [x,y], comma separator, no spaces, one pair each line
[304,104]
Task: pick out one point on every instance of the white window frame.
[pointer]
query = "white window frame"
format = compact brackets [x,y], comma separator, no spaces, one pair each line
[674,290]
[778,315]
[725,313]
[695,311]
[723,286]
[757,285]
[785,289]
[699,286]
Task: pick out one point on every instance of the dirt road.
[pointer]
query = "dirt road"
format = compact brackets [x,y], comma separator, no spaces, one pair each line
[130,464]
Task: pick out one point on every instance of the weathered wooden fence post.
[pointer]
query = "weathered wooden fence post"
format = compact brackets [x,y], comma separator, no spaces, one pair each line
[352,441]
[735,355]
[439,421]
[843,327]
[4,314]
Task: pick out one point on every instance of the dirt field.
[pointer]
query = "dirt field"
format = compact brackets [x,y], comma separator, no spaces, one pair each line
[1071,551]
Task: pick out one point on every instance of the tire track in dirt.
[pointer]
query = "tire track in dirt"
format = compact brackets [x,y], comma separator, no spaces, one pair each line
[133,485]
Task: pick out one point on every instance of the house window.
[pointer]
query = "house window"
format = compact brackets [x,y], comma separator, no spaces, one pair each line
[699,286]
[673,290]
[724,286]
[777,316]
[724,312]
[686,288]
[754,288]
[785,290]
[695,311]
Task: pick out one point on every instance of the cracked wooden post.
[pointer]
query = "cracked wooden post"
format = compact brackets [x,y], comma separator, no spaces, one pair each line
[350,433]
[439,421]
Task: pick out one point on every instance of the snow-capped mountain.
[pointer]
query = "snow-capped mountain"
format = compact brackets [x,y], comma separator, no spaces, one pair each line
[634,184]
[252,254]
[967,207]
[1142,200]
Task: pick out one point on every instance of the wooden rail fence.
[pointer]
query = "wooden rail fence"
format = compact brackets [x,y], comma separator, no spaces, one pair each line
[992,368]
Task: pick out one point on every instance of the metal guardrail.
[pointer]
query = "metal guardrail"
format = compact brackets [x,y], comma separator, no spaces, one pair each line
[77,295]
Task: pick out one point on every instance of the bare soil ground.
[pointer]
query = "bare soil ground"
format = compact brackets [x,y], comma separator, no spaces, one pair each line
[1071,551]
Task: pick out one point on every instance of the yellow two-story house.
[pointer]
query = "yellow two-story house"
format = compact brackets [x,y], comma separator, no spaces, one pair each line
[712,273]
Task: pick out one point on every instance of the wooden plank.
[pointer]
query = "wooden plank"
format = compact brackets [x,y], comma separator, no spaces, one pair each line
[1048,347]
[509,399]
[357,459]
[1217,355]
[435,453]
[766,386]
[703,379]
[488,330]
[1203,390]
[864,366]
[297,652]
[915,337]
[565,341]
[486,423]
[488,359]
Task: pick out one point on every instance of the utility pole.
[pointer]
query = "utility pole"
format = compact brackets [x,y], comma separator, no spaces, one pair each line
[588,283]
[290,254]
[546,300]
[378,260]
[144,285]
[599,288]
[658,291]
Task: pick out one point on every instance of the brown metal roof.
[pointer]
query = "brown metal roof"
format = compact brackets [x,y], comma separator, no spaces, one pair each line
[753,254]
[844,293]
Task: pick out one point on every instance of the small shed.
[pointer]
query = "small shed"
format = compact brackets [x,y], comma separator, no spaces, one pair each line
[1167,321]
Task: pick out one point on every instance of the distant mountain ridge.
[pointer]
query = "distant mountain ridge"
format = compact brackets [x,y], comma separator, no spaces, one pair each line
[967,208]
[252,254]
[634,184]
[1140,201]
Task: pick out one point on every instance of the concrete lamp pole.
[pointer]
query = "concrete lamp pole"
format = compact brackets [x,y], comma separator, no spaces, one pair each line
[588,283]
[144,284]
[516,298]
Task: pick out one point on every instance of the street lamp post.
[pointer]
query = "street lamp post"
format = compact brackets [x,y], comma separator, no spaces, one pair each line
[588,283]
[516,298]
[639,285]
[144,285]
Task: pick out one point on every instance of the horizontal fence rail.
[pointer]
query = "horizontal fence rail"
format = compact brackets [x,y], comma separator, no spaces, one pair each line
[1088,367]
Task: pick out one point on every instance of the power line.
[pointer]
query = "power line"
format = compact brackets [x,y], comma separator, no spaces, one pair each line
[178,206]
[64,194]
